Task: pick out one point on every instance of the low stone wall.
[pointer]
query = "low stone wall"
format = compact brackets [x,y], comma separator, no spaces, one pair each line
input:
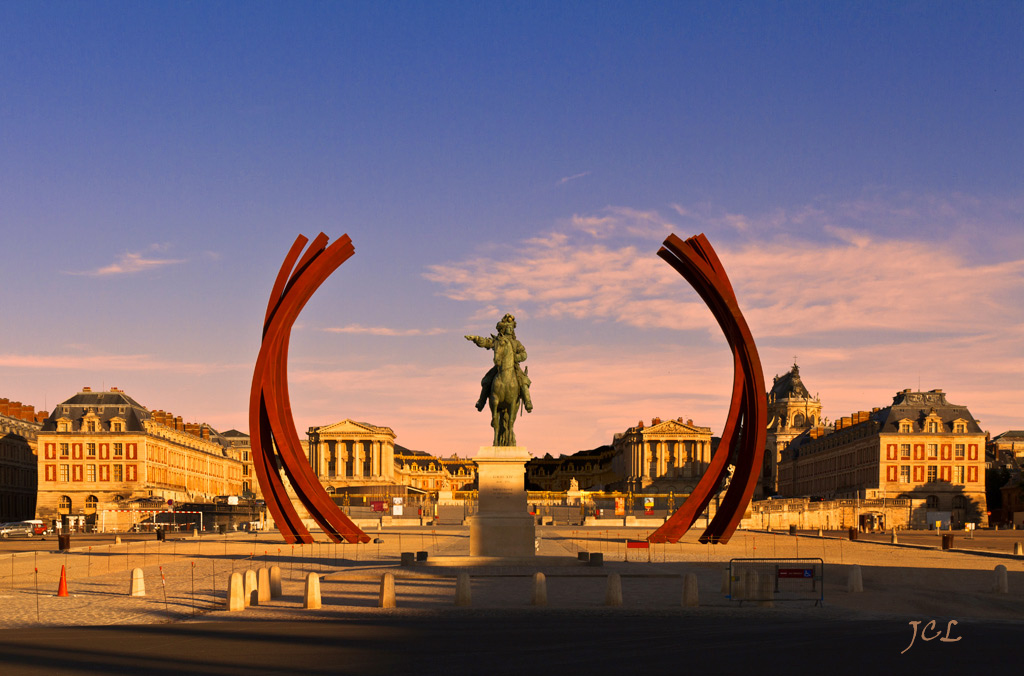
[831,514]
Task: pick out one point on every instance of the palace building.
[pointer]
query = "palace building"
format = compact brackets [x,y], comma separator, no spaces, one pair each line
[921,447]
[19,427]
[103,450]
[791,411]
[350,454]
[669,455]
[666,455]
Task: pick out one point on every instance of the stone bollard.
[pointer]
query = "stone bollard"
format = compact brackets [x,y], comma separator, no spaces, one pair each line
[387,591]
[540,590]
[236,593]
[463,594]
[275,581]
[1002,584]
[855,583]
[311,594]
[613,593]
[820,533]
[195,533]
[262,585]
[892,538]
[690,595]
[251,599]
[117,539]
[138,584]
[1018,550]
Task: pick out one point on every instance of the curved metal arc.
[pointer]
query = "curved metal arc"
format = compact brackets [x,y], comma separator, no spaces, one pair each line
[270,415]
[277,292]
[312,270]
[322,509]
[696,260]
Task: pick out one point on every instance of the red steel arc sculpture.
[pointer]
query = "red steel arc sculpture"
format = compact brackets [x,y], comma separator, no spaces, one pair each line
[275,441]
[744,435]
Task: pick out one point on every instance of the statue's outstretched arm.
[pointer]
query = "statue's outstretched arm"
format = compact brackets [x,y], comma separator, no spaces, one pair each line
[481,342]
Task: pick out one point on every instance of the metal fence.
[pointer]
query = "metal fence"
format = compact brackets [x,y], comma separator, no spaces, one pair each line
[765,581]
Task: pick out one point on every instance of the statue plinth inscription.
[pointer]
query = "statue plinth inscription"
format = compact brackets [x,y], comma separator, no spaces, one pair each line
[502,525]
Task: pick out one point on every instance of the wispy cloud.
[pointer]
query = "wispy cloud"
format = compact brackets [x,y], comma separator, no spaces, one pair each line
[848,279]
[566,179]
[132,262]
[383,331]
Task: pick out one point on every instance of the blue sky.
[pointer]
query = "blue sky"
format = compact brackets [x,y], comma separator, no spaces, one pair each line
[857,165]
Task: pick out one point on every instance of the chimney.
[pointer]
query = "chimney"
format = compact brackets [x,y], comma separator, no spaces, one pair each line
[87,389]
[42,416]
[655,421]
[5,406]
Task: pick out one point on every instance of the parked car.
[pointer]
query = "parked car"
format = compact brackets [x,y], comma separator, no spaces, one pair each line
[40,527]
[16,529]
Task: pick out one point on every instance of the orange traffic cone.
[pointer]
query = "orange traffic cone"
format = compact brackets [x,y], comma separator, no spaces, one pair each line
[62,590]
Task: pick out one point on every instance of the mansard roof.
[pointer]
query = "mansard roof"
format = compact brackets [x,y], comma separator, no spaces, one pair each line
[789,386]
[106,405]
[917,406]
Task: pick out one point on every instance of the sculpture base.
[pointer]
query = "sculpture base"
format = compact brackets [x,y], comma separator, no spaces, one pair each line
[502,525]
[502,536]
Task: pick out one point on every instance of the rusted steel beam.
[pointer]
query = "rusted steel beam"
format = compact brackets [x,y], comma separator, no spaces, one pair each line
[275,441]
[744,432]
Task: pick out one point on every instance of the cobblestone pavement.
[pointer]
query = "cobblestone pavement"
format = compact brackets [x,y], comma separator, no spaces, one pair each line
[186,578]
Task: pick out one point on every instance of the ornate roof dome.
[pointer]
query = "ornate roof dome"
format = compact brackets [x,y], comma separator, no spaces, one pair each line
[789,386]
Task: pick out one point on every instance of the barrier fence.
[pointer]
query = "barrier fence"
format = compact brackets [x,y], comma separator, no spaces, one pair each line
[768,580]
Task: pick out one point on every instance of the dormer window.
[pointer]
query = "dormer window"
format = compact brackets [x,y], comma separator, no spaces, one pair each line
[90,426]
[933,427]
[906,428]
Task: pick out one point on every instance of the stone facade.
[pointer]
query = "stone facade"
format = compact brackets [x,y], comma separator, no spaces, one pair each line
[921,447]
[666,455]
[240,448]
[669,455]
[592,470]
[19,427]
[349,453]
[105,451]
[425,472]
[791,411]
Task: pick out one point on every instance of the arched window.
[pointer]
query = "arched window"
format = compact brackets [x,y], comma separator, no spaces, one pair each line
[798,420]
[960,502]
[64,506]
[90,504]
[932,502]
[810,421]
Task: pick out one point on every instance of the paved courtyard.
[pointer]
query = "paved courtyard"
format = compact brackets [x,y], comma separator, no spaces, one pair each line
[186,582]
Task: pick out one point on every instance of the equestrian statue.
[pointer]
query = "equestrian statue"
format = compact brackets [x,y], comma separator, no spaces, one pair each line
[506,385]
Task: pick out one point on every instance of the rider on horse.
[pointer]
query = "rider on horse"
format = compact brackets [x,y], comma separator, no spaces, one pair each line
[506,332]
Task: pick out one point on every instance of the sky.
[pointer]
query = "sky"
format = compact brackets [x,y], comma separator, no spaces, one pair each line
[856,165]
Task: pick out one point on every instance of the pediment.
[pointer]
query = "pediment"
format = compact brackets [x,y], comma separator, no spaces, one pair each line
[672,427]
[349,426]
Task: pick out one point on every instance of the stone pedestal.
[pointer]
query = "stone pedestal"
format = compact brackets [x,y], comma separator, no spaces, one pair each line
[502,525]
